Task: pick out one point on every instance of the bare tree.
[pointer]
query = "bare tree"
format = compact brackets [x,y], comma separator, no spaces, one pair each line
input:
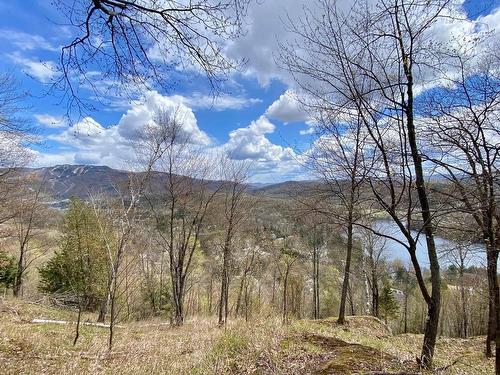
[316,242]
[15,135]
[368,62]
[338,159]
[15,131]
[288,256]
[115,221]
[313,233]
[374,247]
[234,175]
[117,218]
[182,175]
[459,253]
[152,269]
[463,141]
[407,283]
[139,44]
[30,210]
[249,263]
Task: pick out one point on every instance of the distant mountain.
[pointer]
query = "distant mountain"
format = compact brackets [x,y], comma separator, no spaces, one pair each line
[257,185]
[287,188]
[65,181]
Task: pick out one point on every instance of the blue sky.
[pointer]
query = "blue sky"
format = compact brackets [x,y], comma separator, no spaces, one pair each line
[255,117]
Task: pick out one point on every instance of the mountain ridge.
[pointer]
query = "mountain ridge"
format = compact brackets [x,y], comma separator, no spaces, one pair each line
[64,181]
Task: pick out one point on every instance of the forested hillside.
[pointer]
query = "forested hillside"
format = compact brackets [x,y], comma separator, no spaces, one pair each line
[250,187]
[243,254]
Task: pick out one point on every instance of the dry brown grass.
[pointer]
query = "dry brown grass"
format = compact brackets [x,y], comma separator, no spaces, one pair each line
[259,347]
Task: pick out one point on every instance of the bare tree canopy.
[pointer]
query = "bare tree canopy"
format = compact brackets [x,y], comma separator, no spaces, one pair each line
[15,132]
[125,45]
[371,61]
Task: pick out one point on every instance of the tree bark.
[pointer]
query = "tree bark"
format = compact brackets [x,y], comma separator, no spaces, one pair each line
[463,301]
[315,283]
[374,282]
[77,330]
[494,304]
[347,270]
[178,299]
[103,310]
[285,295]
[434,304]
[17,289]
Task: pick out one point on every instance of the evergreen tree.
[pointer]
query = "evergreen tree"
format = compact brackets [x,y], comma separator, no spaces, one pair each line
[388,305]
[79,270]
[8,270]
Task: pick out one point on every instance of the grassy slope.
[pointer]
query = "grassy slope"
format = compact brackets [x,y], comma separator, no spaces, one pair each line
[264,347]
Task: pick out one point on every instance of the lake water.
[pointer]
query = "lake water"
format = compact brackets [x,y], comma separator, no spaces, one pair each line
[395,250]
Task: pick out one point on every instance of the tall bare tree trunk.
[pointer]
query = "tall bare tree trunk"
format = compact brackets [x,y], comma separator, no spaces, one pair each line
[18,283]
[285,295]
[209,294]
[347,271]
[103,309]
[494,304]
[224,292]
[248,302]
[406,313]
[315,261]
[434,304]
[223,300]
[273,295]
[375,293]
[77,330]
[177,298]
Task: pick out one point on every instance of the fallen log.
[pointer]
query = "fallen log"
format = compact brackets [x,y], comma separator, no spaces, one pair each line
[50,321]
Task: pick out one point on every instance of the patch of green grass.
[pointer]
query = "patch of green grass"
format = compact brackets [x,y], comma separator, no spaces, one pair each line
[230,344]
[285,344]
[225,353]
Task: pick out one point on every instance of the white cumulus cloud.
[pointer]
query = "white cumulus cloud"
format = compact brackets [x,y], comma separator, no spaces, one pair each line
[89,142]
[287,108]
[50,121]
[43,71]
[270,162]
[251,143]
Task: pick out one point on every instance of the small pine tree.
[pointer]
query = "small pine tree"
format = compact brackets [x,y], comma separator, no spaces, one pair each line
[8,270]
[79,268]
[388,305]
